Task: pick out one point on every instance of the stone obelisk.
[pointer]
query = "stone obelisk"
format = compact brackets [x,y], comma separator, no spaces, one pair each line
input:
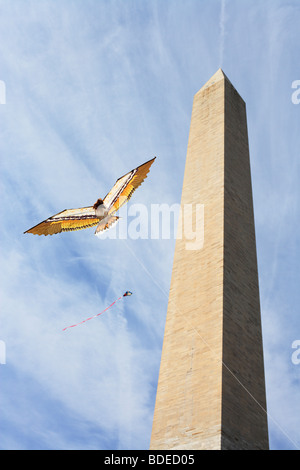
[211,387]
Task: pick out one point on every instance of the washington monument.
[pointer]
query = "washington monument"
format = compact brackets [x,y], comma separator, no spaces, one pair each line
[211,387]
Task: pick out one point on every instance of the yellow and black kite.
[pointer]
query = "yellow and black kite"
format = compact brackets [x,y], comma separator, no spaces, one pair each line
[101,213]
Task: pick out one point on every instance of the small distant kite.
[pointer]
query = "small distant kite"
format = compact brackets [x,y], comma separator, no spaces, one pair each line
[127,293]
[101,213]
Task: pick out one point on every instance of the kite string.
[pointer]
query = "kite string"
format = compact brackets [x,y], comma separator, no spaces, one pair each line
[94,316]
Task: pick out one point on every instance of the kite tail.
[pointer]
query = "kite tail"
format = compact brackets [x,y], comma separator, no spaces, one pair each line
[94,316]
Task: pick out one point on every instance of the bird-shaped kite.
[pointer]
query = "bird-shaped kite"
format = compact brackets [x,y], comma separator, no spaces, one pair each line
[101,213]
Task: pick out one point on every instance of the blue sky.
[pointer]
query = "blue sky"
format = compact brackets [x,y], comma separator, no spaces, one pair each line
[93,89]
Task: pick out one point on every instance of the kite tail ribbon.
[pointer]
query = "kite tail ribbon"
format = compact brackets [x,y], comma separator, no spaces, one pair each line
[127,293]
[98,314]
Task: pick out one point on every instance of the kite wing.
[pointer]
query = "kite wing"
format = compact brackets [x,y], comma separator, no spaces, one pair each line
[65,221]
[125,186]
